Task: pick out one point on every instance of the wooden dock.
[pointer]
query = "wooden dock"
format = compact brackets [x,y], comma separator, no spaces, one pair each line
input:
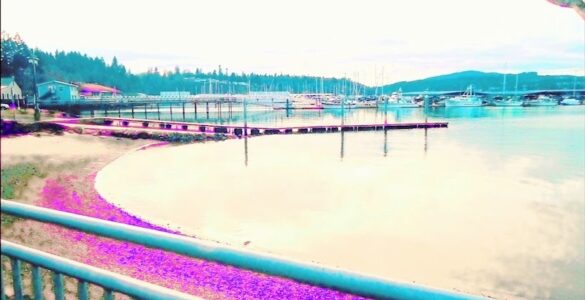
[252,130]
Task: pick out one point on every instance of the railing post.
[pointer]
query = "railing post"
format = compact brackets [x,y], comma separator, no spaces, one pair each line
[108,294]
[82,292]
[37,281]
[16,278]
[58,286]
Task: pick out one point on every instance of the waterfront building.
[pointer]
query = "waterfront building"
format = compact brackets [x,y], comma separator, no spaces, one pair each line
[10,90]
[94,90]
[57,91]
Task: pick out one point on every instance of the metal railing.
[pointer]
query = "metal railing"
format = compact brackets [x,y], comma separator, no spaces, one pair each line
[310,273]
[85,274]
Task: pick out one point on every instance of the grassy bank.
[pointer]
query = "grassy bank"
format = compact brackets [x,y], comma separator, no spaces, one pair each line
[14,181]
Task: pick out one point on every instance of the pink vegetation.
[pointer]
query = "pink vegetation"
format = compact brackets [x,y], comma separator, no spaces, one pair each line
[198,277]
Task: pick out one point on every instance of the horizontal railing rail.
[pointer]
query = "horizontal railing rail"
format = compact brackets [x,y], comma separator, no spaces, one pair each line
[110,281]
[310,273]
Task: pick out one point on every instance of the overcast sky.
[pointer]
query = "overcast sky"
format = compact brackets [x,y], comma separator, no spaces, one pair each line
[405,39]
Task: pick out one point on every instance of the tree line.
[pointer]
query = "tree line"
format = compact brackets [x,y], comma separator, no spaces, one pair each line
[75,67]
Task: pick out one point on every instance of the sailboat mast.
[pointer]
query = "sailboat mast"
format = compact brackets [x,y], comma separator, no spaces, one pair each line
[504,86]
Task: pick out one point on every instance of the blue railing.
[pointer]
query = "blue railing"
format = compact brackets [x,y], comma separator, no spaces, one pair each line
[314,274]
[111,282]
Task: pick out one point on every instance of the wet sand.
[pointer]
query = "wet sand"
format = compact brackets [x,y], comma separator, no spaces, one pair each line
[71,162]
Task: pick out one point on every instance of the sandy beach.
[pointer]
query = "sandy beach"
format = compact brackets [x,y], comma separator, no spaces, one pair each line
[69,164]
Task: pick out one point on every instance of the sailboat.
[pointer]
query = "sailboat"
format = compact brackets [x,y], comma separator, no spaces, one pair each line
[397,100]
[509,101]
[573,100]
[542,100]
[467,99]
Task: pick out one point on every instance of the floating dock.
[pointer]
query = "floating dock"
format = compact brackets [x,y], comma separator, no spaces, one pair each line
[252,130]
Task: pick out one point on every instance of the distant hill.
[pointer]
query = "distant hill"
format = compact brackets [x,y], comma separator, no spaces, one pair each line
[78,67]
[488,82]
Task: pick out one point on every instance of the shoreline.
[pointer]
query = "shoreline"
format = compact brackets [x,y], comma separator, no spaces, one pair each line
[73,191]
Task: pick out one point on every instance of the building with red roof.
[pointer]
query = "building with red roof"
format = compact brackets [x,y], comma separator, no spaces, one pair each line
[93,89]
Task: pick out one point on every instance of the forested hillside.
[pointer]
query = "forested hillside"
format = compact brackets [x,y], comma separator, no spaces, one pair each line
[76,67]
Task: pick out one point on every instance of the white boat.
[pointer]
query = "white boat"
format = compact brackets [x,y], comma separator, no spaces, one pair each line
[365,104]
[570,101]
[337,103]
[542,100]
[397,100]
[467,99]
[511,101]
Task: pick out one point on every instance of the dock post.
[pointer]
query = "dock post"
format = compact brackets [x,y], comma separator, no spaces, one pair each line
[92,112]
[106,110]
[171,109]
[158,110]
[119,111]
[145,113]
[207,109]
[132,107]
[194,110]
[183,111]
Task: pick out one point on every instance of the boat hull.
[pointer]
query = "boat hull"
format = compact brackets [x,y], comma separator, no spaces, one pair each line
[462,104]
[542,104]
[337,106]
[570,102]
[509,104]
[399,105]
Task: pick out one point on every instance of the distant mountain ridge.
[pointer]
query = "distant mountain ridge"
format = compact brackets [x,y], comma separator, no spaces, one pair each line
[489,82]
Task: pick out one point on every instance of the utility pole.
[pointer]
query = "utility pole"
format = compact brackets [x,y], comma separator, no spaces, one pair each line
[34,61]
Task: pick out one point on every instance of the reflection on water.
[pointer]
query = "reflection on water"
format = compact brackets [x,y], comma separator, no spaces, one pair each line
[494,207]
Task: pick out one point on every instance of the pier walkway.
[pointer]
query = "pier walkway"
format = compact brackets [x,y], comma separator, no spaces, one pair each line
[240,130]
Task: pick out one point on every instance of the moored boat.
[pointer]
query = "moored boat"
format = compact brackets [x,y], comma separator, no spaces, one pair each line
[467,99]
[397,100]
[542,100]
[570,101]
[512,101]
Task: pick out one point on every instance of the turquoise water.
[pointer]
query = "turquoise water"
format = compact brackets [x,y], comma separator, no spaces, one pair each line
[493,205]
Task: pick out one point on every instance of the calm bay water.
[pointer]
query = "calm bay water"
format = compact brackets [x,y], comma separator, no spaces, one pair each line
[492,205]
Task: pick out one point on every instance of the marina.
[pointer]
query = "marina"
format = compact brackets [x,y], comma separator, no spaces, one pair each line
[292,150]
[348,186]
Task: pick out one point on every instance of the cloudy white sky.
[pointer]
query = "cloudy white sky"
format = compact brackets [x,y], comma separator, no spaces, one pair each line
[405,39]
